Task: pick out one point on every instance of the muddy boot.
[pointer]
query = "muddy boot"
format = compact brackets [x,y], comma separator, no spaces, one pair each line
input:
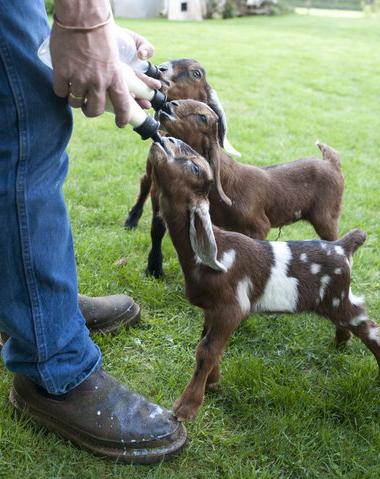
[103,417]
[103,314]
[108,313]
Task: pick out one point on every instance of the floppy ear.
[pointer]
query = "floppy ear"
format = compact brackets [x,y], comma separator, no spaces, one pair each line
[215,104]
[214,161]
[202,236]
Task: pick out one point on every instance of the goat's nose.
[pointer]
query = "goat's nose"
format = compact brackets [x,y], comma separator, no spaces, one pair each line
[163,68]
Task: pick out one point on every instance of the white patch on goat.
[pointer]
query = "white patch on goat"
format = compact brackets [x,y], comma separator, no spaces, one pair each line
[343,295]
[338,271]
[197,259]
[374,334]
[223,120]
[315,268]
[298,215]
[204,246]
[358,319]
[355,300]
[325,281]
[168,74]
[281,291]
[339,250]
[228,259]
[336,302]
[243,291]
[349,262]
[303,257]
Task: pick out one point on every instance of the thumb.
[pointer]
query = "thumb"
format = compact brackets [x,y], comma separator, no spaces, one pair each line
[145,50]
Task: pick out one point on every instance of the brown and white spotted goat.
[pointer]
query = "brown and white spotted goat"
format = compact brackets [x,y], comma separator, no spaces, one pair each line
[260,198]
[182,78]
[230,275]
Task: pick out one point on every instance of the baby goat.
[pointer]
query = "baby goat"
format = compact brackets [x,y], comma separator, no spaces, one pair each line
[230,275]
[183,78]
[262,198]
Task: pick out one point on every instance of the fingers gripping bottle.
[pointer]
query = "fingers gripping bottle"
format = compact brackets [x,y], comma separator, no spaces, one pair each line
[128,54]
[144,124]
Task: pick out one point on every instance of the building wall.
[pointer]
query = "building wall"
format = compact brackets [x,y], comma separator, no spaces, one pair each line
[137,9]
[186,10]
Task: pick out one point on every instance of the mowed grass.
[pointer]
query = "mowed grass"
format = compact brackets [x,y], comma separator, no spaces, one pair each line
[289,405]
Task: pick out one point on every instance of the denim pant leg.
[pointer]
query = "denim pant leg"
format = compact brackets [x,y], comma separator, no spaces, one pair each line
[38,288]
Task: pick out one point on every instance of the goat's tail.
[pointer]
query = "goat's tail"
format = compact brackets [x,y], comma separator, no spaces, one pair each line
[352,241]
[329,154]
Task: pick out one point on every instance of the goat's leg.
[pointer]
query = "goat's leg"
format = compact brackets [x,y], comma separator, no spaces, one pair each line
[157,232]
[214,376]
[352,318]
[261,228]
[208,357]
[365,329]
[137,210]
[326,227]
[342,336]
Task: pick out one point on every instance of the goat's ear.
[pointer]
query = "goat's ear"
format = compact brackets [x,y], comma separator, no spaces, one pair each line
[202,236]
[215,104]
[214,161]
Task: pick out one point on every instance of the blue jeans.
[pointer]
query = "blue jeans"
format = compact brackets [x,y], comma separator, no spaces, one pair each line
[49,341]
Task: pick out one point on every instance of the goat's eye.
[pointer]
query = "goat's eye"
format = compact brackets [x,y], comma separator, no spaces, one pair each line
[194,168]
[203,118]
[197,74]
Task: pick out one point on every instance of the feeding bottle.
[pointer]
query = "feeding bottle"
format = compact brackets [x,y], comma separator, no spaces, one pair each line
[145,125]
[128,54]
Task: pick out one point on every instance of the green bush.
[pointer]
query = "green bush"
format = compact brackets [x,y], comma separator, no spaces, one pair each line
[49,5]
[335,4]
[282,8]
[230,9]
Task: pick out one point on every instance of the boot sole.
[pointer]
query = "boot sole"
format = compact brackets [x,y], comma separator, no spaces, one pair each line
[126,319]
[127,455]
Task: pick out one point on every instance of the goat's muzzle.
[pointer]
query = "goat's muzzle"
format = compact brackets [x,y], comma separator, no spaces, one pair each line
[166,113]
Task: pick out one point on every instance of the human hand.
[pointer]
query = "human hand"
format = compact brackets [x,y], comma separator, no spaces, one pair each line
[87,67]
[145,50]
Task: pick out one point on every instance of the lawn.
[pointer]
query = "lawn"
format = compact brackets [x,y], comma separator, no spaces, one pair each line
[289,404]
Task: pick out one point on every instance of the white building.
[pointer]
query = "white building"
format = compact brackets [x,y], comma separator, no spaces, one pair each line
[186,10]
[137,9]
[173,9]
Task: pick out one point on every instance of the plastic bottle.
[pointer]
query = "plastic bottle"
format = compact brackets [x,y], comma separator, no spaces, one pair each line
[145,125]
[128,55]
[135,85]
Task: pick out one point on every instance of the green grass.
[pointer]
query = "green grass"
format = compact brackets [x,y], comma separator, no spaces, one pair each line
[289,405]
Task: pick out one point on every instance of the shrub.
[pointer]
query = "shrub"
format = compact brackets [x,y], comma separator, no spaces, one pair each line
[230,9]
[49,5]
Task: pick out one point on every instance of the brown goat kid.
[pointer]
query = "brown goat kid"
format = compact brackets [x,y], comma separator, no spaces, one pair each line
[183,78]
[262,198]
[230,275]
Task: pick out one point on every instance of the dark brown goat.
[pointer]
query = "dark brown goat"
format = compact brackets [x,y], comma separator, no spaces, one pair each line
[262,198]
[183,78]
[230,275]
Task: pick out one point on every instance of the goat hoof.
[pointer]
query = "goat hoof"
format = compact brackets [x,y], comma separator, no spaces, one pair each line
[341,344]
[212,387]
[184,411]
[156,272]
[131,223]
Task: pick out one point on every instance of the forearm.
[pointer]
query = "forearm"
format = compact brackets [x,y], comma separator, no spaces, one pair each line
[84,13]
